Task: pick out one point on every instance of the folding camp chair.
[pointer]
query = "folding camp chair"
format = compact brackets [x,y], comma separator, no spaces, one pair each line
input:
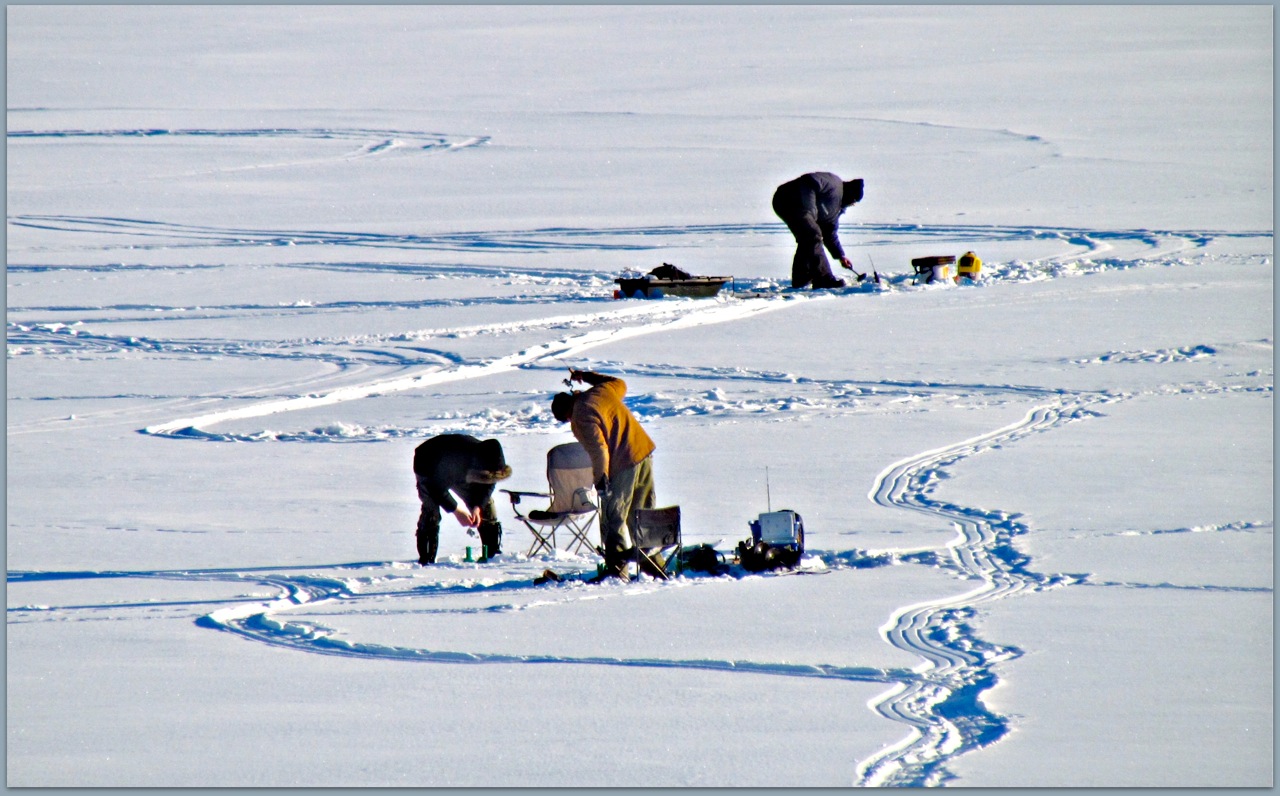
[655,535]
[572,507]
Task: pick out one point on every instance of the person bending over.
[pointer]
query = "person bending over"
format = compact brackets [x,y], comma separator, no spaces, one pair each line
[621,459]
[811,206]
[450,467]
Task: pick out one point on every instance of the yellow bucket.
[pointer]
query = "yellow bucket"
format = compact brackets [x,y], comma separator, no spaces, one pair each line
[968,267]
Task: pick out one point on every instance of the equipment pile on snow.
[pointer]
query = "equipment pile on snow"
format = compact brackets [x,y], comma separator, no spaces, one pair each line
[934,269]
[777,542]
[668,280]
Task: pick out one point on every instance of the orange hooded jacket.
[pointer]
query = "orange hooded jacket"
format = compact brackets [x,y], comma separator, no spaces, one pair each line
[606,428]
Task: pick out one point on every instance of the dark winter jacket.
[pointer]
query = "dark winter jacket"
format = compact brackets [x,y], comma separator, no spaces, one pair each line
[819,197]
[463,463]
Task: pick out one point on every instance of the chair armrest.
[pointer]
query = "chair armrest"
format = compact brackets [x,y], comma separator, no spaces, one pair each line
[515,496]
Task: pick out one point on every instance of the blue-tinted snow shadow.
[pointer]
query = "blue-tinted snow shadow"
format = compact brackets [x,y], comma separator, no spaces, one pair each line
[554,239]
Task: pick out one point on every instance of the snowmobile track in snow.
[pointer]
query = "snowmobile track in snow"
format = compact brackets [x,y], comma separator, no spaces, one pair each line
[941,707]
[262,622]
[143,234]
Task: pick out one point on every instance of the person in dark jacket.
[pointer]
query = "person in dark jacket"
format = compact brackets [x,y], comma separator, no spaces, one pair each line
[461,465]
[811,206]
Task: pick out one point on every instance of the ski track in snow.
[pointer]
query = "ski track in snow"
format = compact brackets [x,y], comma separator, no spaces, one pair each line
[938,701]
[370,142]
[147,234]
[552,352]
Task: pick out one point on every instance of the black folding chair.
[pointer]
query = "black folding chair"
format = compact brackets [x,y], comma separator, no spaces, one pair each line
[655,535]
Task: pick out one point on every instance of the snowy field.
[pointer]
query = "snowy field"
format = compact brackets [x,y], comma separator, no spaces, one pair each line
[257,254]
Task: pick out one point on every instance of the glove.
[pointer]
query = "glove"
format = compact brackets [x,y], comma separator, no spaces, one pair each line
[602,486]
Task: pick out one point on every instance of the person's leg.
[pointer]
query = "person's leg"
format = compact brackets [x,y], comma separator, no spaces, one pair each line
[790,207]
[800,271]
[428,532]
[613,519]
[490,531]
[642,492]
[615,511]
[630,489]
[643,497]
[820,270]
[810,260]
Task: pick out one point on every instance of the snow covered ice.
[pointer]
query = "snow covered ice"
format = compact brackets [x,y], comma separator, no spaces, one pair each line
[257,254]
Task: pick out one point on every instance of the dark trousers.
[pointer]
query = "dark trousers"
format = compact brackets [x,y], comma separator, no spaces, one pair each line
[810,263]
[429,529]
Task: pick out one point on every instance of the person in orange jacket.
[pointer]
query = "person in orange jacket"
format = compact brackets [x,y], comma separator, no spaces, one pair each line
[621,458]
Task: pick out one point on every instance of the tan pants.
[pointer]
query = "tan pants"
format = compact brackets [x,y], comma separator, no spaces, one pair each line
[629,490]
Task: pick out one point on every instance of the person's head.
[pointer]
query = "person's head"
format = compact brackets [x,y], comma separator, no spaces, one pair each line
[852,193]
[562,406]
[489,465]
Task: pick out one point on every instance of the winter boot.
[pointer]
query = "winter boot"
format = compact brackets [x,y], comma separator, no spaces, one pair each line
[491,538]
[428,542]
[615,566]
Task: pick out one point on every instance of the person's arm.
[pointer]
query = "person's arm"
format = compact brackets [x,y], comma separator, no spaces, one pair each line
[831,239]
[448,501]
[591,377]
[589,431]
[611,386]
[440,488]
[467,518]
[827,208]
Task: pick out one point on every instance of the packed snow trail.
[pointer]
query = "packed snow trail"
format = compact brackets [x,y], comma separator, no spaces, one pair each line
[258,622]
[264,621]
[942,706]
[699,314]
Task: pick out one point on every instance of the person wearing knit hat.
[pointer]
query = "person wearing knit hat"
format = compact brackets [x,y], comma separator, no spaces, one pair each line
[450,467]
[621,459]
[811,206]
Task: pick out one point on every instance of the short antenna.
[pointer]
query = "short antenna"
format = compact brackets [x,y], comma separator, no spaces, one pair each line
[768,496]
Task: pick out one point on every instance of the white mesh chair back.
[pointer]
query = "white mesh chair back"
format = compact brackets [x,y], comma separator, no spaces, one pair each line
[570,477]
